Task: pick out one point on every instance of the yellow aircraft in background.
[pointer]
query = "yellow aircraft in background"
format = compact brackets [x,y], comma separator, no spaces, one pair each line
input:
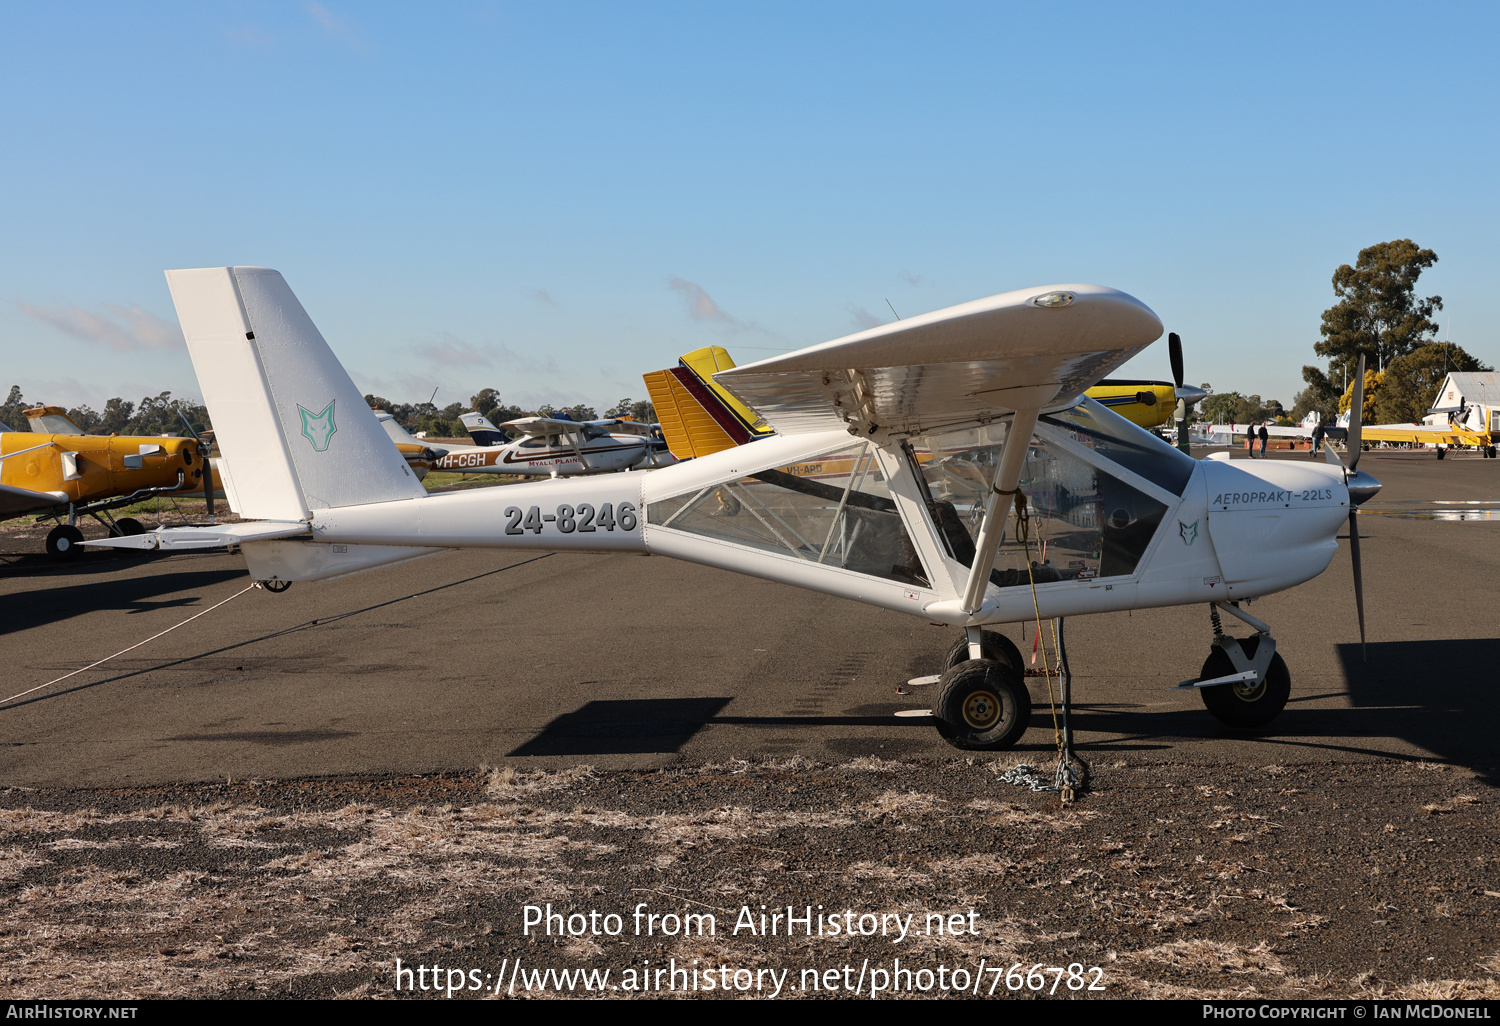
[55,470]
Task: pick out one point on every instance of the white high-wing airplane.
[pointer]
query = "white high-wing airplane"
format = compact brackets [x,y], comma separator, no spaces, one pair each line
[1223,434]
[1108,516]
[547,446]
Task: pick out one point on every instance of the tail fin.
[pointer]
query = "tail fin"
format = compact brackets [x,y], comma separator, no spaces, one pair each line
[295,433]
[481,430]
[698,415]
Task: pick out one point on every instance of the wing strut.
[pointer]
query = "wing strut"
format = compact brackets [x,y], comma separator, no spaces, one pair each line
[997,507]
[573,441]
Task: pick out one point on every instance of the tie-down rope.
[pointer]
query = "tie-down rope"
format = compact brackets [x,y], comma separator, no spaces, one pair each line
[138,644]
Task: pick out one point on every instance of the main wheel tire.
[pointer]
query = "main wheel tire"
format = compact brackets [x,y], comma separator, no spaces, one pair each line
[1239,705]
[63,542]
[129,526]
[982,705]
[995,645]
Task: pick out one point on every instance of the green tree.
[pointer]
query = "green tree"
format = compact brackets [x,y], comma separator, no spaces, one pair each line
[485,402]
[13,413]
[117,414]
[1219,408]
[162,415]
[1378,312]
[85,417]
[1411,382]
[644,412]
[1320,394]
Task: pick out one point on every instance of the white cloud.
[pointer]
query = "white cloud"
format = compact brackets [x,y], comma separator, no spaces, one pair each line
[120,328]
[700,305]
[448,350]
[251,36]
[339,28]
[863,319]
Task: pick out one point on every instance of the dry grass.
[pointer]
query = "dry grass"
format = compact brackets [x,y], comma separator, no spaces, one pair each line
[253,888]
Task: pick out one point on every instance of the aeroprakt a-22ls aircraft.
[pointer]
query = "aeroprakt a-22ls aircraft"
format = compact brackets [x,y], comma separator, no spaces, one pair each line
[1109,516]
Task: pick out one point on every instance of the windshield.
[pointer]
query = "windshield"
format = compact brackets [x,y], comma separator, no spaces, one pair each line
[1120,441]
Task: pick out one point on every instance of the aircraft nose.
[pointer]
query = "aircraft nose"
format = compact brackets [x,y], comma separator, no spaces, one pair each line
[1191,394]
[1362,487]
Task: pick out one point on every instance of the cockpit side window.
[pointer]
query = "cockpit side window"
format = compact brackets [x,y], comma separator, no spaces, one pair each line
[1131,446]
[1080,522]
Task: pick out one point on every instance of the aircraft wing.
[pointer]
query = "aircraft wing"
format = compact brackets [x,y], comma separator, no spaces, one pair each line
[545,426]
[1425,434]
[1035,348]
[17,502]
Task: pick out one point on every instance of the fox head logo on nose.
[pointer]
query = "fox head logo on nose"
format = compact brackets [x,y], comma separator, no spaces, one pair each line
[318,428]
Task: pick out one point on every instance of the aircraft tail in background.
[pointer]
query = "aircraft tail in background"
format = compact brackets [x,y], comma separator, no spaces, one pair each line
[699,416]
[481,430]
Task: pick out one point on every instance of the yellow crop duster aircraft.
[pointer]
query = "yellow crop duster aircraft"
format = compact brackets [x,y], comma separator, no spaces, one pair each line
[55,470]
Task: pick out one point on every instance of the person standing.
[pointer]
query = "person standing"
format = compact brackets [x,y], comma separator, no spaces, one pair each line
[1250,440]
[1264,436]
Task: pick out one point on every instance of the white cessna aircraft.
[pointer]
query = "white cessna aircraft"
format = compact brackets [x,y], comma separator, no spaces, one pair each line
[1109,516]
[548,446]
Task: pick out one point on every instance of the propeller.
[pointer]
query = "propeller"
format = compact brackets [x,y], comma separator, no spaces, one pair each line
[208,470]
[1187,395]
[1362,487]
[1174,350]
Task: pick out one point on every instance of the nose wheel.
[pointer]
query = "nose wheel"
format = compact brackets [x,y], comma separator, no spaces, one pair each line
[1246,703]
[1244,682]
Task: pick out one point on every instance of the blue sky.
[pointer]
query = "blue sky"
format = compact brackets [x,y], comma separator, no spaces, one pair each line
[552,199]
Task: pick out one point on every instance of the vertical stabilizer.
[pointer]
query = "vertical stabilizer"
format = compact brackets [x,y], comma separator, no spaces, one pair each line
[698,415]
[294,432]
[481,430]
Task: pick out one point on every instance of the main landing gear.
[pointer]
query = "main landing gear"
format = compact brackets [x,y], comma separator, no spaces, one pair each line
[1244,683]
[982,703]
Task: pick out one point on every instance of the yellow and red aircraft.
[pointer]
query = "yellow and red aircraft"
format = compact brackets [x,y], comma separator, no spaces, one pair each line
[55,470]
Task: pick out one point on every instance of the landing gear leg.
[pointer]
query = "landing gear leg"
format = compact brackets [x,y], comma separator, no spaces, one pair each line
[1242,683]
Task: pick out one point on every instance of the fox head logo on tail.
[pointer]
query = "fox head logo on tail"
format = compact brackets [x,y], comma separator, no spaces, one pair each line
[318,428]
[1189,532]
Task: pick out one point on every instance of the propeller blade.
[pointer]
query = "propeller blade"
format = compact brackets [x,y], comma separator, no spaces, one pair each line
[1174,349]
[208,483]
[1356,415]
[1359,587]
[208,470]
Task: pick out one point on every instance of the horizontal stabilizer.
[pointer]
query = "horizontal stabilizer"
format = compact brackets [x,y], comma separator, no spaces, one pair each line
[180,539]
